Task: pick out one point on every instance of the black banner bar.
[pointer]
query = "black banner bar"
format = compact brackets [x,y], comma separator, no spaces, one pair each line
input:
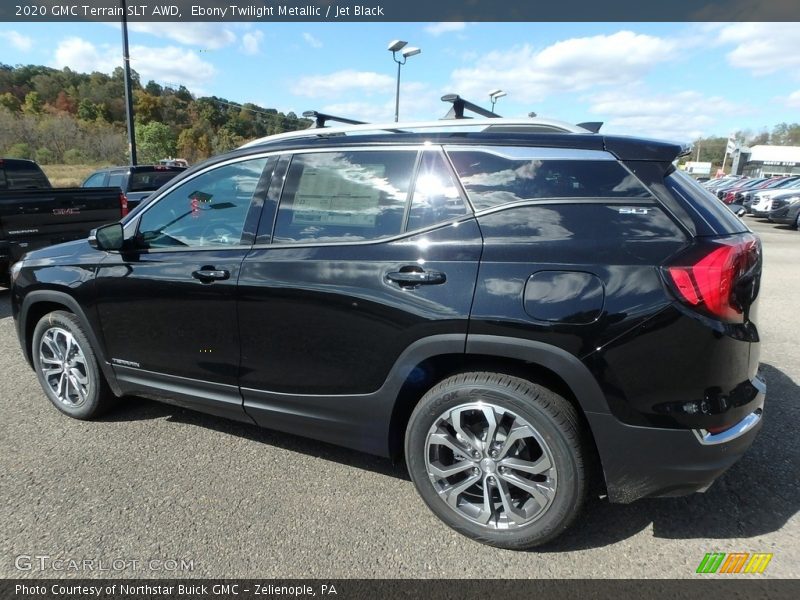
[407,10]
[707,587]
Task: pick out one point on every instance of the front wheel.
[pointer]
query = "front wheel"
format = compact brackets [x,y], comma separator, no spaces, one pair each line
[67,367]
[498,458]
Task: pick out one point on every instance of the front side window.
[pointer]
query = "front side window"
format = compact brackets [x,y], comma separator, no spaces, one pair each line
[344,196]
[492,180]
[95,180]
[206,211]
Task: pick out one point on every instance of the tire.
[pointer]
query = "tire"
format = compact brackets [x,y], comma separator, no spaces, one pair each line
[477,492]
[797,221]
[79,390]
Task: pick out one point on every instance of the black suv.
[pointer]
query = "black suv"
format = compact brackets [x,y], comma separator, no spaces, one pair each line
[511,307]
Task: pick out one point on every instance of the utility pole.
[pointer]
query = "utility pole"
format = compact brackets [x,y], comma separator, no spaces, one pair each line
[126,60]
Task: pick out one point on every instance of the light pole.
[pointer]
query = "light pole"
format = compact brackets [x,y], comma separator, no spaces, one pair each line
[126,64]
[395,47]
[494,96]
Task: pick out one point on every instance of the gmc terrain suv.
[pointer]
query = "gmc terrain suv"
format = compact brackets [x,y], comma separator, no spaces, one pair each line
[513,306]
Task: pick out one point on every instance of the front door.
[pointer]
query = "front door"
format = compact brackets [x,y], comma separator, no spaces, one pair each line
[168,306]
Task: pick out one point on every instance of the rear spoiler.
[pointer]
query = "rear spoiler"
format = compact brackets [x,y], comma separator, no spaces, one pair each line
[593,126]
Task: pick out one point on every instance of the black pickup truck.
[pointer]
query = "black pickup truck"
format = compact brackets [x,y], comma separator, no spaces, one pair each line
[34,215]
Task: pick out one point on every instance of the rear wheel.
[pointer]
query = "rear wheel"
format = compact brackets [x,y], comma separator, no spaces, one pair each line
[67,367]
[498,458]
[797,221]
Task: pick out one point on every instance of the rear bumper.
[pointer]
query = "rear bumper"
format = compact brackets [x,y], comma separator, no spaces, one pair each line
[640,462]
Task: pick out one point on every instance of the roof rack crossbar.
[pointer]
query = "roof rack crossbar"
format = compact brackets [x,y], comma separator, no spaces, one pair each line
[460,105]
[321,118]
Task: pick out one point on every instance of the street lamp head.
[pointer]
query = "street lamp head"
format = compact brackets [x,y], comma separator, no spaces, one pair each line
[497,94]
[397,45]
[411,52]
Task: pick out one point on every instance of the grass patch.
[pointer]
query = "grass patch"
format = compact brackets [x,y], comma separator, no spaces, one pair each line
[68,175]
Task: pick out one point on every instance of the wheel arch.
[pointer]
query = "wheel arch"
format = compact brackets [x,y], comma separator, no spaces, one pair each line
[37,304]
[544,364]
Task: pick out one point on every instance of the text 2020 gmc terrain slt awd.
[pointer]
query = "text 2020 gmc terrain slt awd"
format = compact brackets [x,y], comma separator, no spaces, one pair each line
[508,306]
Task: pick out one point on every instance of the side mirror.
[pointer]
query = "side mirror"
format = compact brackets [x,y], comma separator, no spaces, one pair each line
[107,237]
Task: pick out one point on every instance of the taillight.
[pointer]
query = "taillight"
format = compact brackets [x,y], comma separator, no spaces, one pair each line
[729,197]
[123,204]
[708,278]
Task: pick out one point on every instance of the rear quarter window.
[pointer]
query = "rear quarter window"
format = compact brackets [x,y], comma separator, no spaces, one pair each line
[715,217]
[491,179]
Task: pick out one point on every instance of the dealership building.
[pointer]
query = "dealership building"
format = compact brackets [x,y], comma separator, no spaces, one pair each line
[767,161]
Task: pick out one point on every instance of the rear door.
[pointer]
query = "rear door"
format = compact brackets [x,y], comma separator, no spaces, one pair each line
[372,252]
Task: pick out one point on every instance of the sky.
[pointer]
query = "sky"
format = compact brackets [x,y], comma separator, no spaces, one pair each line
[675,81]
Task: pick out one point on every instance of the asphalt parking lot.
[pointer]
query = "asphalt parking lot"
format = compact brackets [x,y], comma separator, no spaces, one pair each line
[154,482]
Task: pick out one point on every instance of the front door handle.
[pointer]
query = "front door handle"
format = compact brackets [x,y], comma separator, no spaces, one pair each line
[416,277]
[209,274]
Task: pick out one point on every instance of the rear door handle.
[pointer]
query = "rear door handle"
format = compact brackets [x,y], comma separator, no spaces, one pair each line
[209,274]
[415,278]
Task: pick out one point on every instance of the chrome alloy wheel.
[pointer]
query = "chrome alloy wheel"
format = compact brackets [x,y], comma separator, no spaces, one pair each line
[490,465]
[64,367]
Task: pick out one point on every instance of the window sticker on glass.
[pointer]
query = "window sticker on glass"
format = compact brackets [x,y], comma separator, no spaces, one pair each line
[325,197]
[344,196]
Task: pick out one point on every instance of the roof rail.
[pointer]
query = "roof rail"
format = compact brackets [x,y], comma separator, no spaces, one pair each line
[321,118]
[460,105]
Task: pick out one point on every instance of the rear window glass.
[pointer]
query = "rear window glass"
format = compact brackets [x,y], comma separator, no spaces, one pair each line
[22,176]
[150,180]
[492,180]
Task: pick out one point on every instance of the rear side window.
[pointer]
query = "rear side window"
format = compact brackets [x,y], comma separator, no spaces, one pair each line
[115,179]
[344,196]
[492,180]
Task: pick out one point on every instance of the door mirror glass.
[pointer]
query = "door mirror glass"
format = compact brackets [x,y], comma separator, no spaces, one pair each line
[107,237]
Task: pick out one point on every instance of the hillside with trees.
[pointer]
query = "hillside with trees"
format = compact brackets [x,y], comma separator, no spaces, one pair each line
[64,117]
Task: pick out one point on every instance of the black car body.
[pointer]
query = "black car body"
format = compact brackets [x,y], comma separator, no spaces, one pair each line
[136,182]
[333,286]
